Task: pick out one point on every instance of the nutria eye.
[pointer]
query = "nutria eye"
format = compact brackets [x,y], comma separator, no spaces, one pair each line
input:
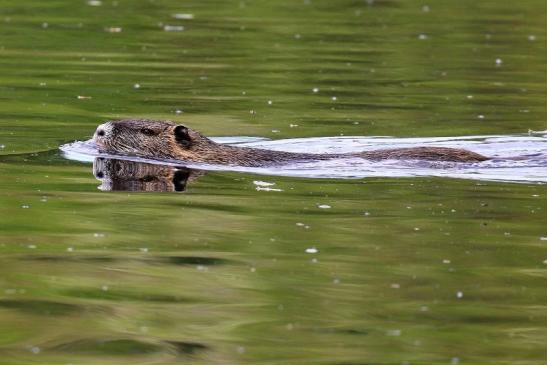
[100,132]
[147,131]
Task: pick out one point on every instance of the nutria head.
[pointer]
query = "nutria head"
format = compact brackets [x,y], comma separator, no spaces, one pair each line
[150,138]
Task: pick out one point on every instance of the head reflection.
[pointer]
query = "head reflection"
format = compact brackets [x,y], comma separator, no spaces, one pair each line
[123,175]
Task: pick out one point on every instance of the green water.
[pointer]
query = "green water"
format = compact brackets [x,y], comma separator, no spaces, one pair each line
[396,271]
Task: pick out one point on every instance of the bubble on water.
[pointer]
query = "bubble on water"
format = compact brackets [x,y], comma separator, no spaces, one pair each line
[263,183]
[424,308]
[293,125]
[183,16]
[98,235]
[178,111]
[366,214]
[394,333]
[543,238]
[426,8]
[113,29]
[143,249]
[173,28]
[297,36]
[104,288]
[311,250]
[32,247]
[499,61]
[299,224]
[270,102]
[253,269]
[83,97]
[70,249]
[531,37]
[445,261]
[45,25]
[455,361]
[25,206]
[315,90]
[137,86]
[336,281]
[480,116]
[334,98]
[422,37]
[416,228]
[35,350]
[240,349]
[290,326]
[469,97]
[275,131]
[545,262]
[395,286]
[324,206]
[2,146]
[94,3]
[459,295]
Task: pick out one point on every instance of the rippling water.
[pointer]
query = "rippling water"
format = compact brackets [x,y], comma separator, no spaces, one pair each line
[404,263]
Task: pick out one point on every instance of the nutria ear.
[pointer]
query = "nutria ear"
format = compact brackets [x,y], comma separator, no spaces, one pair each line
[182,136]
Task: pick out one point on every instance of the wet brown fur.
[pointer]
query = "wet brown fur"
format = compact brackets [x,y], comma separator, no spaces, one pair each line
[167,140]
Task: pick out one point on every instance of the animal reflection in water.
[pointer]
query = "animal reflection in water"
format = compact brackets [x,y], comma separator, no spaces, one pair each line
[123,175]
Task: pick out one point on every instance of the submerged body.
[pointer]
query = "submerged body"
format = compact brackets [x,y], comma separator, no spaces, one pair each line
[167,140]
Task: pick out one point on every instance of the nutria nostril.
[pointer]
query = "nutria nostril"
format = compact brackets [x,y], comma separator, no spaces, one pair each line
[101,132]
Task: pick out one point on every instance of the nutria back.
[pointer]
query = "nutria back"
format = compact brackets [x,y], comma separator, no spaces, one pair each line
[171,141]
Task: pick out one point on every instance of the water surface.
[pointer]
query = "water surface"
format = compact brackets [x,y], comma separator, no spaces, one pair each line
[260,267]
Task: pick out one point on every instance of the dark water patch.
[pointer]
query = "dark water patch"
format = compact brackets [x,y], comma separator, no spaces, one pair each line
[120,295]
[71,258]
[188,348]
[128,347]
[40,307]
[193,260]
[169,260]
[113,347]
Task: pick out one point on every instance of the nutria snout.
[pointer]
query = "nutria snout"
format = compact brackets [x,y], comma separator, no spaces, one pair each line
[171,141]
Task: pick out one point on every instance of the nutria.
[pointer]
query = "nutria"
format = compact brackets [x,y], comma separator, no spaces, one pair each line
[168,140]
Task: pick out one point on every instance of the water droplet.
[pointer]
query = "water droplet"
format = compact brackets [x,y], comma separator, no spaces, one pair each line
[459,295]
[499,61]
[334,98]
[270,102]
[137,86]
[394,333]
[173,28]
[113,30]
[315,90]
[183,16]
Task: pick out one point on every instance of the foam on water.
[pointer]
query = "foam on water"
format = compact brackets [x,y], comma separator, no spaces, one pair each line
[530,149]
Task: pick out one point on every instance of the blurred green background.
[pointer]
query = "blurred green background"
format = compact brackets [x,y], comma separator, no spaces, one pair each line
[397,271]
